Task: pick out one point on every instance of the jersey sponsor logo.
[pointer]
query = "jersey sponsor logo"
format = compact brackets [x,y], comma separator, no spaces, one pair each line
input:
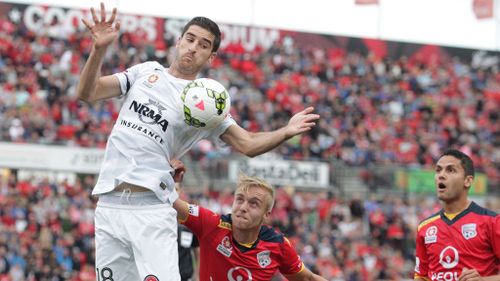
[151,277]
[143,130]
[225,247]
[193,210]
[239,273]
[431,235]
[449,257]
[445,276]
[469,231]
[264,258]
[150,113]
[151,80]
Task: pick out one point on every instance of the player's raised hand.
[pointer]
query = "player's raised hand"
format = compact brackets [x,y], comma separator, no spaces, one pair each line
[103,31]
[470,275]
[301,122]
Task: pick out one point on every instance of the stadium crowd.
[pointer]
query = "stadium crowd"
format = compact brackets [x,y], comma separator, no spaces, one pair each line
[46,230]
[374,111]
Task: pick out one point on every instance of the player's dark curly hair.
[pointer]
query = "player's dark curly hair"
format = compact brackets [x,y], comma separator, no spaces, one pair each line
[465,160]
[207,24]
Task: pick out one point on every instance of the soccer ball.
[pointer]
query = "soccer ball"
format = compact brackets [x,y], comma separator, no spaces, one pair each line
[206,103]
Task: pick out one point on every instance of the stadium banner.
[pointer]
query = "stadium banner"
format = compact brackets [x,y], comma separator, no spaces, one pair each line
[283,172]
[57,158]
[422,181]
[65,23]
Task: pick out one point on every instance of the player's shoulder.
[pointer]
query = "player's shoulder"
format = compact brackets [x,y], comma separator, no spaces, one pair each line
[269,234]
[479,210]
[149,66]
[429,220]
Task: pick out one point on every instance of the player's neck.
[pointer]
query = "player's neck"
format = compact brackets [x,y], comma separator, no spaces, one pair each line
[456,206]
[245,237]
[174,71]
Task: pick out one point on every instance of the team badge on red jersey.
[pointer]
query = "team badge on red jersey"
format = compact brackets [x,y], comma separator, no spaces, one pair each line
[469,230]
[264,258]
[431,235]
[225,247]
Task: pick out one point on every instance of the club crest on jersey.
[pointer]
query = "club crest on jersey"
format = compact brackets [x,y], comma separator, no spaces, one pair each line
[150,113]
[225,247]
[469,230]
[151,80]
[431,235]
[264,258]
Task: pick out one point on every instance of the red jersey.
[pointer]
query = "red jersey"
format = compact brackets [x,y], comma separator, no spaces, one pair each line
[222,258]
[471,239]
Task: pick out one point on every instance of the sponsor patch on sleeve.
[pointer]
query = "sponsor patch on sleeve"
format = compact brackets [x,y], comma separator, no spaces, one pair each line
[194,210]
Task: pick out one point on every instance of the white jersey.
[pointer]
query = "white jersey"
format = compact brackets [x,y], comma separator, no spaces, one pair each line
[149,132]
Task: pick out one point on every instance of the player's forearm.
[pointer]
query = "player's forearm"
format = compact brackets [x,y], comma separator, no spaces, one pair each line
[87,85]
[263,142]
[182,208]
[316,277]
[492,278]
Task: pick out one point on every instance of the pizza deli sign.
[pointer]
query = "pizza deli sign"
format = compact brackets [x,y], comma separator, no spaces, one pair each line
[282,172]
[64,22]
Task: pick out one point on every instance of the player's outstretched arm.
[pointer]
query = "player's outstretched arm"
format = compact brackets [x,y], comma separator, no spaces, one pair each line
[253,144]
[182,208]
[91,87]
[305,275]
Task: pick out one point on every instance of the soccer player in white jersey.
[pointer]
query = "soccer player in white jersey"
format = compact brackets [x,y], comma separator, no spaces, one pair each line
[135,224]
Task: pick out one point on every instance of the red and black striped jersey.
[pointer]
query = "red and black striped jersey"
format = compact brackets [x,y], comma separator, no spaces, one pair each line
[445,246]
[222,258]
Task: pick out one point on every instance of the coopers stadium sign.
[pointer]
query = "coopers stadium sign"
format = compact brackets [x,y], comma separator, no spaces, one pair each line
[43,19]
[282,172]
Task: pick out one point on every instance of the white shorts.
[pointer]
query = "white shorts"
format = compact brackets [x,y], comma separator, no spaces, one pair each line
[136,238]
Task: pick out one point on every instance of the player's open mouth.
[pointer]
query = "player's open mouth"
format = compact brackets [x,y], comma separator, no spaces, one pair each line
[441,185]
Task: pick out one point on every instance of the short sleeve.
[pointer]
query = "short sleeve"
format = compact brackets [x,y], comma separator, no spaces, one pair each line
[201,220]
[495,239]
[290,260]
[421,260]
[128,77]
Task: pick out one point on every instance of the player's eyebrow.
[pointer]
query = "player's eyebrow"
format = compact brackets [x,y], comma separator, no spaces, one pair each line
[202,38]
[452,165]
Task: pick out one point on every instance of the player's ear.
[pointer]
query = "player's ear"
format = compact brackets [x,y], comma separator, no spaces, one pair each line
[211,58]
[267,215]
[468,181]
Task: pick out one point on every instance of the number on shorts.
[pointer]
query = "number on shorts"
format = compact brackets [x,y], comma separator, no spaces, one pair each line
[106,274]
